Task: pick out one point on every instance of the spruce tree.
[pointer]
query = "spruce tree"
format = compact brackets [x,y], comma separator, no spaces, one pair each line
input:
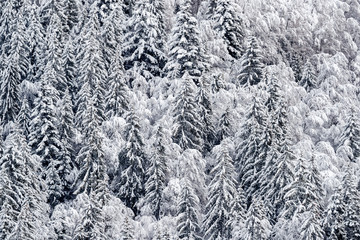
[206,117]
[256,226]
[252,148]
[238,213]
[24,117]
[186,54]
[295,64]
[127,230]
[187,130]
[156,174]
[308,79]
[22,202]
[251,68]
[277,174]
[188,213]
[117,98]
[351,136]
[222,192]
[143,45]
[14,68]
[229,26]
[131,177]
[224,126]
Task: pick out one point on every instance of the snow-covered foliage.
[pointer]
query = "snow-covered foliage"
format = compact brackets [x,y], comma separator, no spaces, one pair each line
[179,119]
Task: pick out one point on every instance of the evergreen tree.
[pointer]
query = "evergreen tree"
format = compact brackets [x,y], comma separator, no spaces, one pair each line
[308,79]
[130,179]
[92,74]
[295,64]
[22,202]
[91,160]
[253,147]
[157,174]
[351,136]
[224,126]
[45,141]
[127,230]
[143,45]
[69,67]
[257,226]
[229,25]
[238,213]
[222,191]
[14,68]
[343,218]
[117,99]
[71,12]
[251,68]
[185,51]
[187,131]
[277,174]
[206,115]
[188,214]
[24,118]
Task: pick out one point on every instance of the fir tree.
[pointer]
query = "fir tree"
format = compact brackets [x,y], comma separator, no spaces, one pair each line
[308,79]
[351,136]
[185,51]
[69,67]
[131,177]
[187,131]
[143,45]
[157,174]
[222,192]
[295,64]
[251,68]
[188,214]
[238,213]
[229,25]
[24,118]
[127,230]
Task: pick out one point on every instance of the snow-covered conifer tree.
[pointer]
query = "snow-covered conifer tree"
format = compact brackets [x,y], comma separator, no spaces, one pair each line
[188,213]
[251,68]
[229,26]
[185,50]
[131,177]
[308,78]
[222,192]
[187,130]
[157,174]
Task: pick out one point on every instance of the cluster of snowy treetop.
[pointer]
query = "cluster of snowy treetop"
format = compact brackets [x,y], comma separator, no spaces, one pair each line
[179,119]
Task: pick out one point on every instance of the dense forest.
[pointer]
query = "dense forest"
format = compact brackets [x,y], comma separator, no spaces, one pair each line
[180,119]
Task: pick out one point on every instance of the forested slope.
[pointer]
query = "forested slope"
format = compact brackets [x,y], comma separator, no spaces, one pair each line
[179,119]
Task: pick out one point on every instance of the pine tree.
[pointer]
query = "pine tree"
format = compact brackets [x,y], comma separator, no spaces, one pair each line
[187,131]
[222,191]
[257,226]
[117,99]
[251,68]
[157,173]
[143,45]
[186,54]
[308,79]
[206,116]
[351,136]
[14,69]
[229,25]
[188,213]
[131,177]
